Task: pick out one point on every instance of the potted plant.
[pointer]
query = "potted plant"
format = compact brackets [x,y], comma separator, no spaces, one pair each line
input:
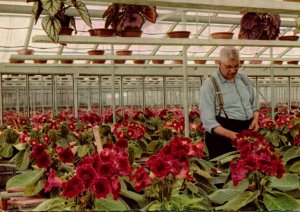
[128,19]
[259,26]
[55,23]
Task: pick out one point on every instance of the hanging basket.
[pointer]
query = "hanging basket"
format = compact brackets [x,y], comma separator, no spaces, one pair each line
[255,62]
[97,52]
[102,32]
[178,62]
[122,53]
[293,62]
[221,35]
[200,62]
[40,61]
[289,37]
[22,52]
[179,34]
[66,31]
[66,61]
[139,61]
[277,62]
[131,33]
[158,61]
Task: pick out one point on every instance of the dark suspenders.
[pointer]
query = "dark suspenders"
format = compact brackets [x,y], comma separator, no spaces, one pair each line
[219,96]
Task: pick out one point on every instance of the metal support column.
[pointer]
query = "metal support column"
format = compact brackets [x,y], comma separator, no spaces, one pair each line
[1,100]
[28,96]
[121,96]
[100,95]
[113,88]
[164,92]
[18,101]
[75,95]
[185,93]
[54,105]
[29,31]
[257,90]
[272,84]
[143,94]
[289,94]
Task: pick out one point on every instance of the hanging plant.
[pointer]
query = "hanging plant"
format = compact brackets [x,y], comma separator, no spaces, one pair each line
[259,26]
[122,17]
[56,19]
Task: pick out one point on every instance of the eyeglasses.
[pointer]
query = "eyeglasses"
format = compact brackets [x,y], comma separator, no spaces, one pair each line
[229,67]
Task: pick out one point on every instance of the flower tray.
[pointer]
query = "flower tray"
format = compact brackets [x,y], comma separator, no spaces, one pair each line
[199,61]
[293,62]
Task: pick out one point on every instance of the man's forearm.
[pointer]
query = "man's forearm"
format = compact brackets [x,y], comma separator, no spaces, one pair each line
[224,132]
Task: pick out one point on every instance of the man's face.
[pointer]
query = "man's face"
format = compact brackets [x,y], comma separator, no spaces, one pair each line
[229,68]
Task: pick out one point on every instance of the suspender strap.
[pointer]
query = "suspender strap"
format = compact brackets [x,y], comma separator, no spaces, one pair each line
[219,97]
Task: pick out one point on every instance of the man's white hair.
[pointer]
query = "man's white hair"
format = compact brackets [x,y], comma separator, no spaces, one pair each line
[229,53]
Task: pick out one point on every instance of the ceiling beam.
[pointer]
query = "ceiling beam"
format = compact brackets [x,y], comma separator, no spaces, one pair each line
[165,41]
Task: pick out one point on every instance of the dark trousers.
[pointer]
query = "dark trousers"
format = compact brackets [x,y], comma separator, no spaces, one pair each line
[219,145]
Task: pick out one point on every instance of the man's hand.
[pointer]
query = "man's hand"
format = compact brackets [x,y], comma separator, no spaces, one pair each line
[254,126]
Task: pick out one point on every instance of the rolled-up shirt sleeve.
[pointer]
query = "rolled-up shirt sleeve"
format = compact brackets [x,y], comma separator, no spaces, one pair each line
[207,106]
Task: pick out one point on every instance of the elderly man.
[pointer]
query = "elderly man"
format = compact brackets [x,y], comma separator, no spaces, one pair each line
[227,104]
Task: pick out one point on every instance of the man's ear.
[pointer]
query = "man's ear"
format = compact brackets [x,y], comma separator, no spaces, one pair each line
[217,62]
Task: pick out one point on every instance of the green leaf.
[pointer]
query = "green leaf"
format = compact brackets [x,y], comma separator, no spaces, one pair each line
[206,165]
[34,189]
[152,145]
[286,183]
[22,159]
[229,158]
[52,27]
[224,195]
[83,150]
[52,204]
[204,184]
[6,150]
[37,10]
[109,204]
[292,153]
[24,179]
[295,167]
[195,168]
[239,201]
[83,12]
[243,185]
[52,6]
[281,202]
[273,138]
[20,146]
[223,156]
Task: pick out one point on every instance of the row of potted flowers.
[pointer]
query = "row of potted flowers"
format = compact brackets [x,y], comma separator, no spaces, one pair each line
[146,163]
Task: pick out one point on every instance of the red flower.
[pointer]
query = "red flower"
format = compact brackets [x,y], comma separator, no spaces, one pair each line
[37,150]
[105,155]
[43,160]
[66,155]
[106,169]
[130,134]
[123,166]
[122,143]
[33,143]
[160,167]
[238,173]
[115,187]
[142,179]
[46,138]
[73,187]
[52,181]
[87,173]
[101,187]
